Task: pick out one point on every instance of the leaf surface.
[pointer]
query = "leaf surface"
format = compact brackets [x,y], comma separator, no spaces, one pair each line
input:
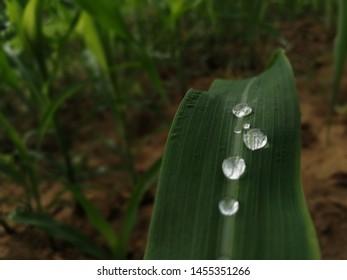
[272,221]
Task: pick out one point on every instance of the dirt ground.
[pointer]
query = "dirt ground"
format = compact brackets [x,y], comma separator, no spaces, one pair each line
[324,162]
[323,157]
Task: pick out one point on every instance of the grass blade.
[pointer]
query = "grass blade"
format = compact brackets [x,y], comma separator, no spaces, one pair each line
[340,51]
[52,109]
[133,204]
[27,165]
[14,13]
[86,28]
[109,16]
[272,221]
[96,219]
[15,138]
[32,28]
[152,73]
[7,73]
[60,230]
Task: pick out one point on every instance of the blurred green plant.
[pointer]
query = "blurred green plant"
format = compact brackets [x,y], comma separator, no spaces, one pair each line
[35,43]
[340,53]
[55,53]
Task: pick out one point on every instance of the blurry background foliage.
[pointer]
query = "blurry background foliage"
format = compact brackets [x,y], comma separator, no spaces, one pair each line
[66,64]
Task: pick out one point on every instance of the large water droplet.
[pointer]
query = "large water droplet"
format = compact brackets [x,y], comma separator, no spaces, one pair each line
[241,110]
[233,167]
[228,206]
[254,139]
[246,125]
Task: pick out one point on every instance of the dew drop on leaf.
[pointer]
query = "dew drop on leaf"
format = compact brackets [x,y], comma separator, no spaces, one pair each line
[233,167]
[246,126]
[254,139]
[228,206]
[238,129]
[241,110]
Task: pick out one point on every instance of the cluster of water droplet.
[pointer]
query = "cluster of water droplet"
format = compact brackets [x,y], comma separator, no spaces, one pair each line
[233,167]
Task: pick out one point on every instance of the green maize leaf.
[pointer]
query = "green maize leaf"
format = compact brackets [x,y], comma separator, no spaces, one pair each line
[16,175]
[15,138]
[32,28]
[32,20]
[96,219]
[51,109]
[7,73]
[130,215]
[14,13]
[340,50]
[179,7]
[272,221]
[152,73]
[107,12]
[60,230]
[28,78]
[86,28]
[28,168]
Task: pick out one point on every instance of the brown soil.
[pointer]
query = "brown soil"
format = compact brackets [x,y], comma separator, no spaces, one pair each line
[324,164]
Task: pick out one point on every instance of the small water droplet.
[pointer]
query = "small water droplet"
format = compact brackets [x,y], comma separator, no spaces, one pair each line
[237,130]
[241,110]
[233,167]
[254,139]
[246,125]
[228,206]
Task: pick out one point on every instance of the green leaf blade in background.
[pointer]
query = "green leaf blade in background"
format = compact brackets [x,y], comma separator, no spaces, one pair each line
[272,221]
[109,15]
[32,23]
[96,219]
[340,53]
[52,108]
[7,73]
[88,30]
[62,231]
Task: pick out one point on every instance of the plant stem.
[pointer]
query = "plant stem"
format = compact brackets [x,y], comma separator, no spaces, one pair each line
[65,150]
